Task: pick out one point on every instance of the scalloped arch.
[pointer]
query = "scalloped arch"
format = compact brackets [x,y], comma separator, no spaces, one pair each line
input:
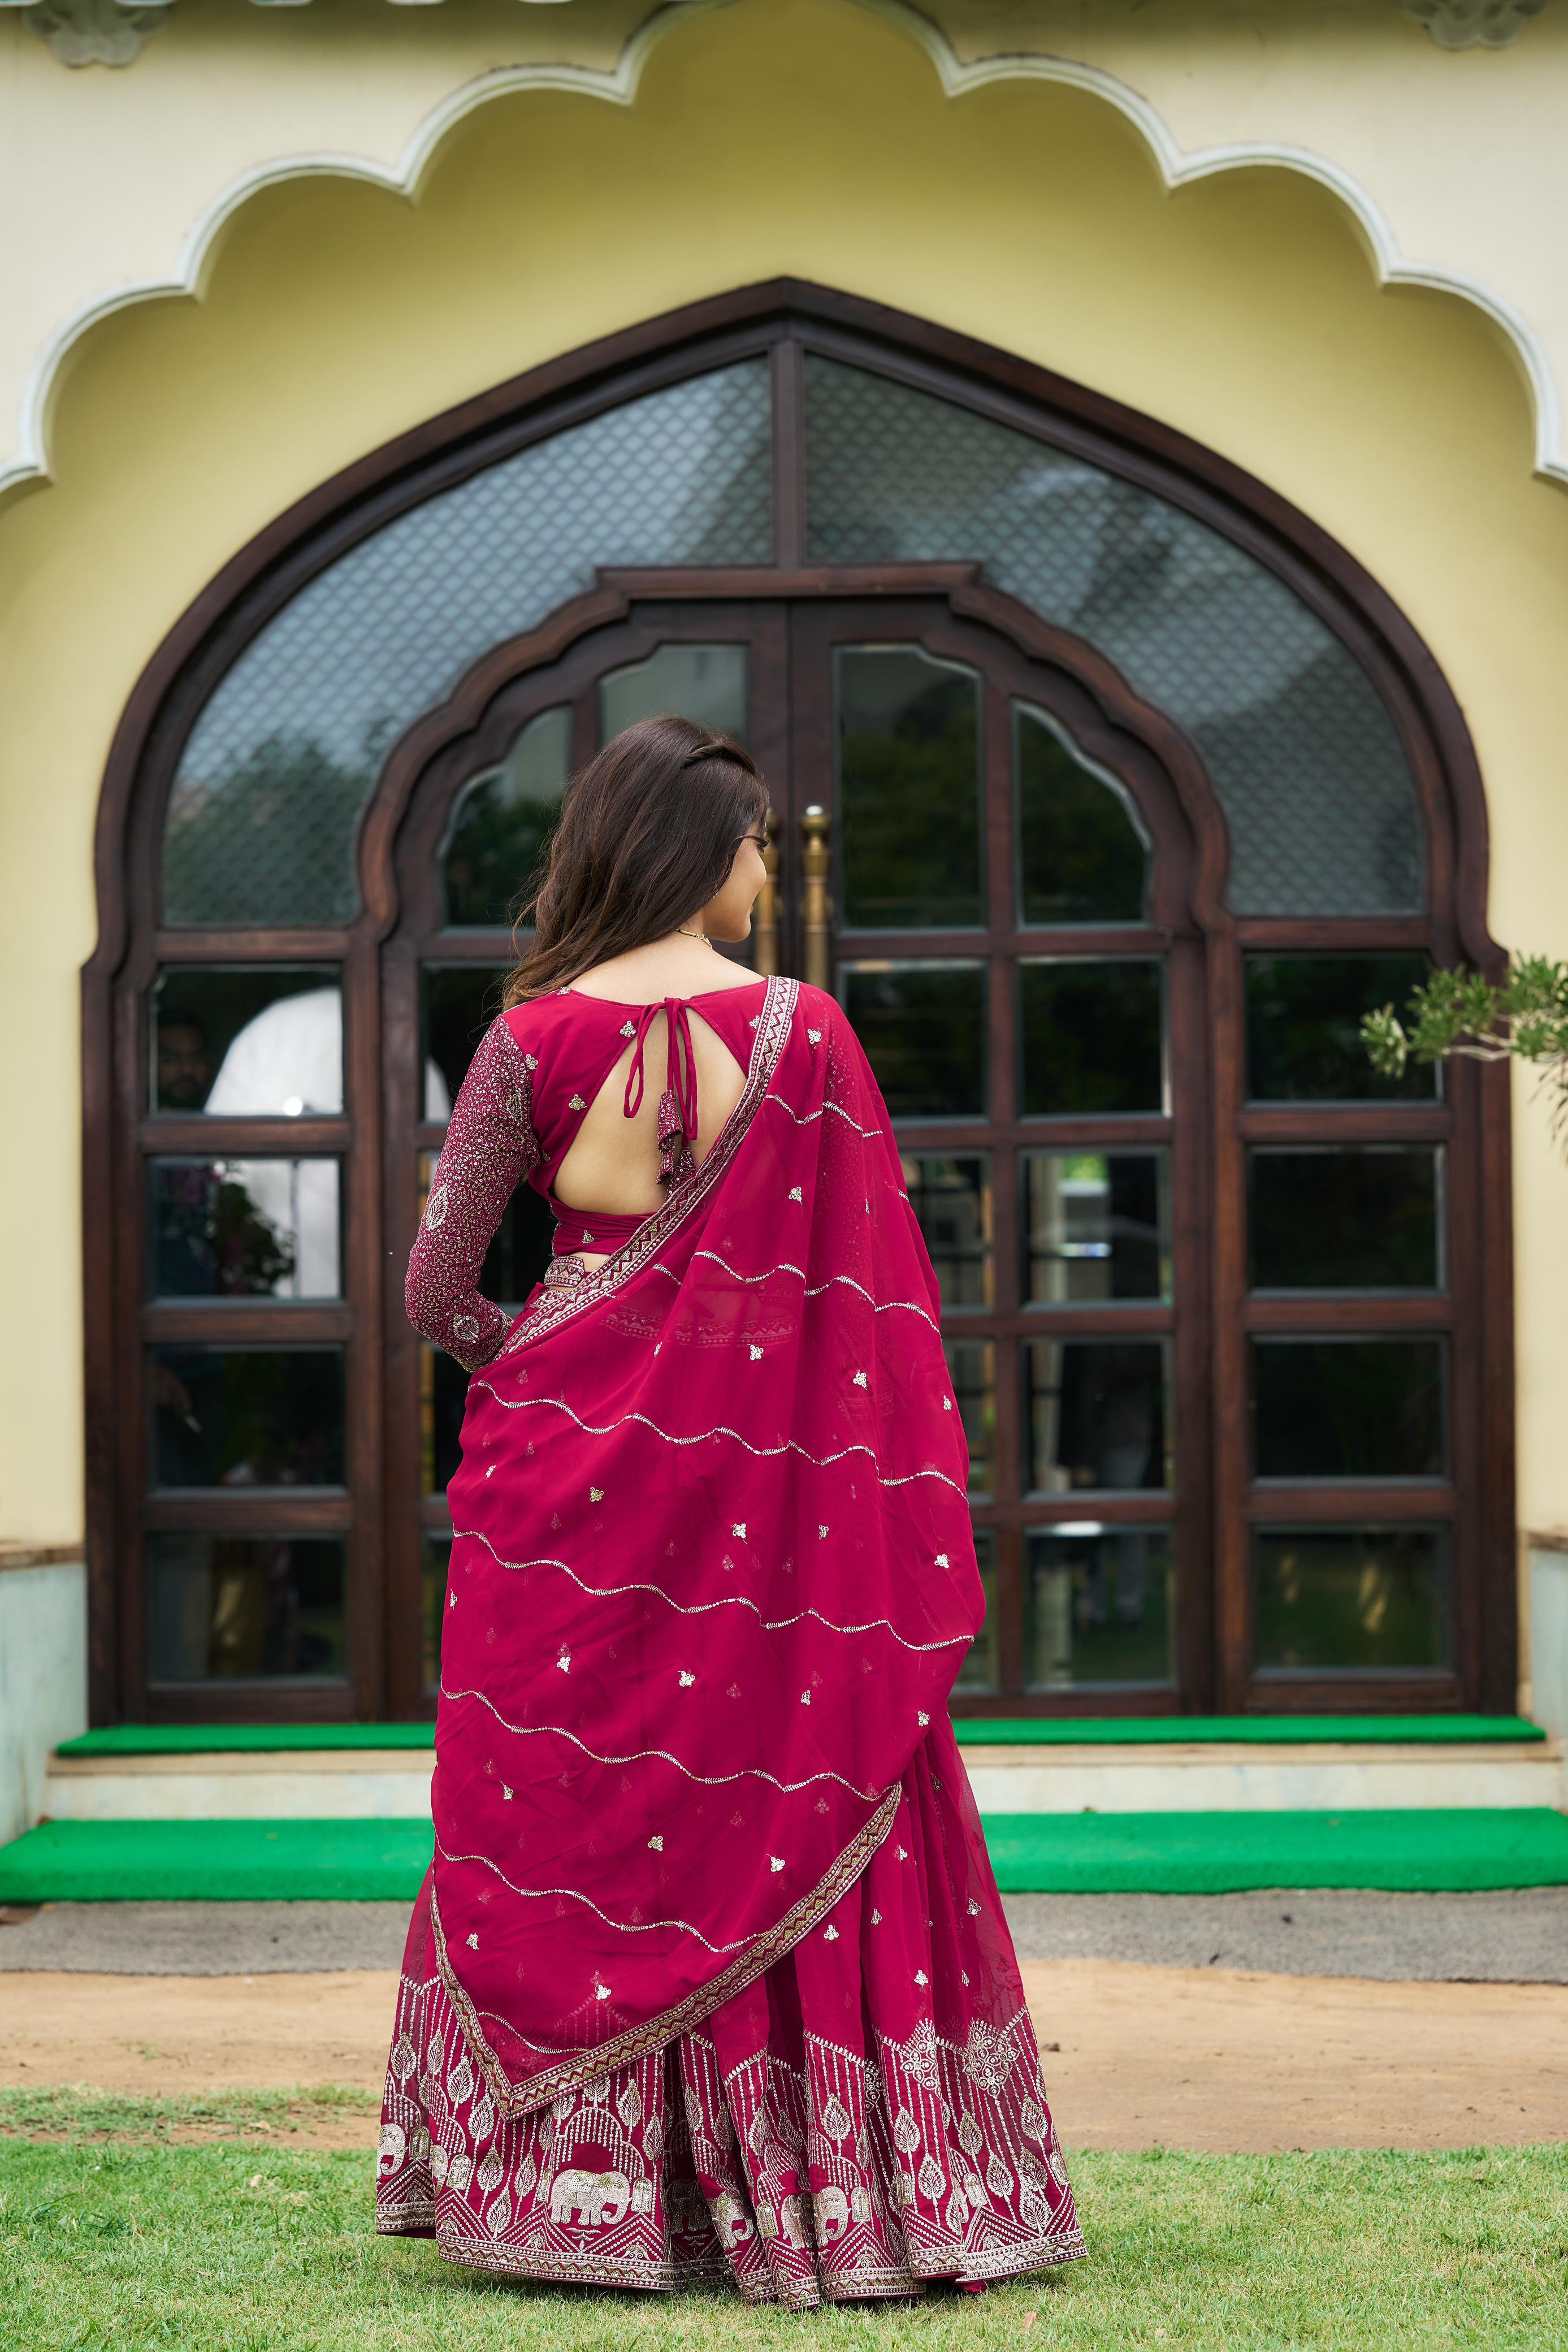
[617,85]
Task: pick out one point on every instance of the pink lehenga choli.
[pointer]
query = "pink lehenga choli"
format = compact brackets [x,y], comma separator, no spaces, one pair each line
[709,1978]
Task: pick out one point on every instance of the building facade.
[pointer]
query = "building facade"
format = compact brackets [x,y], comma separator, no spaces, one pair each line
[1105,462]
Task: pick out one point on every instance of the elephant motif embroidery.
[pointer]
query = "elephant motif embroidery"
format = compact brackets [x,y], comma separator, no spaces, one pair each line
[832,2212]
[590,2198]
[734,2222]
[687,2207]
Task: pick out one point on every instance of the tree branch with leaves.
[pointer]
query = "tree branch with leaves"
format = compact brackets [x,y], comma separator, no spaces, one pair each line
[1524,1019]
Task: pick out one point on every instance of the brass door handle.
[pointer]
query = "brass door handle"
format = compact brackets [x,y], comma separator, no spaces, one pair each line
[817,913]
[765,959]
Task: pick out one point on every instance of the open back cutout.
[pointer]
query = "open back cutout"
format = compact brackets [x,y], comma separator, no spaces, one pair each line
[612,1166]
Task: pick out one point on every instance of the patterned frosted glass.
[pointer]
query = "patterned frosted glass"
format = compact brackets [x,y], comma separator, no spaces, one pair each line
[1304,756]
[262,816]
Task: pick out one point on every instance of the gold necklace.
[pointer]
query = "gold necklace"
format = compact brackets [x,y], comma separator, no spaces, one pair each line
[682,933]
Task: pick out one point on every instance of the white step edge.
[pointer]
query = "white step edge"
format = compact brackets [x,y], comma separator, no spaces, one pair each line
[1267,1779]
[333,1784]
[350,1784]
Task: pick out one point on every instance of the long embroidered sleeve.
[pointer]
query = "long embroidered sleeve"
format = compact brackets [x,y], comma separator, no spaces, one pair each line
[490,1149]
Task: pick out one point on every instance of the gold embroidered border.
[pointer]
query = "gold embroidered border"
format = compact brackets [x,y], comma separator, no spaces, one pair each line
[558,1308]
[583,2067]
[662,2277]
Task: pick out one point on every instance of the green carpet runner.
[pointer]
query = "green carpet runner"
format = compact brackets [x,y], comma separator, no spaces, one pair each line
[1081,1853]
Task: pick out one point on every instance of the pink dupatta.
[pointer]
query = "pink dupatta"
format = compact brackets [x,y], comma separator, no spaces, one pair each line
[712,1577]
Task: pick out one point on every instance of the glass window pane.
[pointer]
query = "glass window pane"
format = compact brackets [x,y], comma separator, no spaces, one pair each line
[1304,753]
[973,1366]
[434,1561]
[244,1417]
[1349,1600]
[1303,1028]
[1348,1408]
[926,1034]
[706,683]
[501,822]
[1097,1226]
[1346,1217]
[262,816]
[460,1001]
[1092,1037]
[256,1040]
[242,1229]
[981,1671]
[443,1394]
[952,1200]
[245,1608]
[907,730]
[1095,1415]
[1083,854]
[1099,1606]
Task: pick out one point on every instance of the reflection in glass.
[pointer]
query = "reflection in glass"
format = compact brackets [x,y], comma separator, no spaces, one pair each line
[1092,1037]
[1348,1599]
[242,1229]
[1346,1217]
[459,1002]
[435,1558]
[907,730]
[1095,1415]
[501,822]
[925,1031]
[243,1608]
[257,1040]
[244,1417]
[981,1671]
[1305,756]
[1099,1606]
[443,1394]
[972,1363]
[262,816]
[1083,853]
[1097,1226]
[706,683]
[1348,1408]
[1303,1027]
[952,1200]
[519,1248]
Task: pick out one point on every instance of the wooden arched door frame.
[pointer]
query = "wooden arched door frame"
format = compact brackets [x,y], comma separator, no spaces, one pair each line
[782,318]
[955,617]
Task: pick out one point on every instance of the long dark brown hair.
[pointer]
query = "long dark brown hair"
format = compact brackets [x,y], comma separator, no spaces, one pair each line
[647,833]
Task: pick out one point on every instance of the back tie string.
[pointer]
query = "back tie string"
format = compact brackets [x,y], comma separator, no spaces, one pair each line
[678,1103]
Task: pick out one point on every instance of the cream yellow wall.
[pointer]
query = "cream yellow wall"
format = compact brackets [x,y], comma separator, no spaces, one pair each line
[110,179]
[1241,309]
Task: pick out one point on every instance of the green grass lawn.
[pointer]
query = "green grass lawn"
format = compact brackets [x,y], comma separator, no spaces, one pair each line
[241,2244]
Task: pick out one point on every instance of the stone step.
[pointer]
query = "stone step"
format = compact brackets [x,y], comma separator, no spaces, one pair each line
[1141,1776]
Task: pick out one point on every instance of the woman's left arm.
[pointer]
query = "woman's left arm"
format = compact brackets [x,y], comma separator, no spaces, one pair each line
[489,1148]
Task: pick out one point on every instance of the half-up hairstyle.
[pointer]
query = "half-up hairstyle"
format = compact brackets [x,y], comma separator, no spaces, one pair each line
[647,835]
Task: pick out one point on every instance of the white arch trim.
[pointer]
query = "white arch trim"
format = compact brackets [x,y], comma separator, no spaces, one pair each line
[618,85]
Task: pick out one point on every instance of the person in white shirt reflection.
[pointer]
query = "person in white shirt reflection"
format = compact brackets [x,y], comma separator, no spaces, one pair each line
[287,1063]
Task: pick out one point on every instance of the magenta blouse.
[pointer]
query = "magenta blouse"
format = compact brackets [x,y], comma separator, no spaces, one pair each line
[528,1087]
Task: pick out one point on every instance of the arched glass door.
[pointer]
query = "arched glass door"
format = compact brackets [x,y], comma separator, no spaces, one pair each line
[1109,795]
[1005,921]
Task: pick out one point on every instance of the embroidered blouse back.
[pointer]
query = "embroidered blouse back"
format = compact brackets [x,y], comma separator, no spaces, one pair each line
[574,1094]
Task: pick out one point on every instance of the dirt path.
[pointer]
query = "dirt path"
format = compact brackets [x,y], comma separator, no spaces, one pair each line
[1199,2058]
